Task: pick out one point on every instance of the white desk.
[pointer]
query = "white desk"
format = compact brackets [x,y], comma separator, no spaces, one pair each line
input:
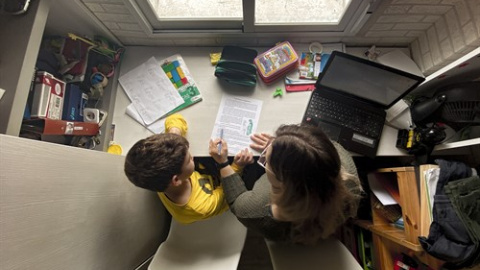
[288,109]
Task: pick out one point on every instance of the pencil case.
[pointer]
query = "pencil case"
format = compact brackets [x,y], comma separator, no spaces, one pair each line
[276,62]
[236,66]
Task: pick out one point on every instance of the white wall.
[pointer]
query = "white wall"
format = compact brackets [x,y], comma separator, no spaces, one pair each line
[72,17]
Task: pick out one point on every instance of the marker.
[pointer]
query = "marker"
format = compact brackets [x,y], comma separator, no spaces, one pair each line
[220,144]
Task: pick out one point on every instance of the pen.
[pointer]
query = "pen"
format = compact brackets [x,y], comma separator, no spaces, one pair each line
[220,144]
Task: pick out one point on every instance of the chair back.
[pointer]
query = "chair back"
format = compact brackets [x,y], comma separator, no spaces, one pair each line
[328,254]
[212,244]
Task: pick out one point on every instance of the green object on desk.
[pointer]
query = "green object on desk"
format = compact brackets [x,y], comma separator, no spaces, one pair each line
[278,92]
[236,66]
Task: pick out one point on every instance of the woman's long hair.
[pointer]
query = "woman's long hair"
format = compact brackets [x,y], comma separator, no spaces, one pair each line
[314,195]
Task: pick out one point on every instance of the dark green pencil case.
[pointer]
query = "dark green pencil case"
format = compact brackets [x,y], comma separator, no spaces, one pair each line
[236,66]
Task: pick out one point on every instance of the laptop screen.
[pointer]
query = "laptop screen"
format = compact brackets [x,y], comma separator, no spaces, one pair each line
[366,79]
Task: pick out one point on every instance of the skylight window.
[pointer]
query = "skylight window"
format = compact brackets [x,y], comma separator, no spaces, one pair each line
[250,16]
[300,11]
[191,9]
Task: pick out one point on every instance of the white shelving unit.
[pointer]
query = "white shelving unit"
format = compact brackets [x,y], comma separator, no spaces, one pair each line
[466,68]
[459,144]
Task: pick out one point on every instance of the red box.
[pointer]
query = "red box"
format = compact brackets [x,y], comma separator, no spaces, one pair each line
[60,127]
[276,62]
[48,94]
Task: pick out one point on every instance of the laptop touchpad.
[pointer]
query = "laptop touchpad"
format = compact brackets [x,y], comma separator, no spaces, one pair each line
[333,132]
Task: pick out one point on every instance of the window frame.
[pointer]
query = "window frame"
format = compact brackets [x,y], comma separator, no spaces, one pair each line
[353,18]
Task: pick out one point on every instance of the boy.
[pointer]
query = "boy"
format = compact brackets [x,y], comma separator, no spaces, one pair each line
[163,163]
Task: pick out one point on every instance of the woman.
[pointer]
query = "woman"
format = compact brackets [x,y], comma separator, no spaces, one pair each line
[309,188]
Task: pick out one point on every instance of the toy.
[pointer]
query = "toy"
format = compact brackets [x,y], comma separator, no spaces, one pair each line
[175,73]
[278,92]
[215,57]
[98,82]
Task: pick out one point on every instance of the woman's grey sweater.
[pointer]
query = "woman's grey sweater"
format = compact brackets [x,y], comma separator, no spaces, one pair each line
[252,208]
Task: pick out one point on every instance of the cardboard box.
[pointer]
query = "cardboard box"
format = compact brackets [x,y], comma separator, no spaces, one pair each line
[48,93]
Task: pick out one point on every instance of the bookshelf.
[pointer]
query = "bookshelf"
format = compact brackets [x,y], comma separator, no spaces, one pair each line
[390,241]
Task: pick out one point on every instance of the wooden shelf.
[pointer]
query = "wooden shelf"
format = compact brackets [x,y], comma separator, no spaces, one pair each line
[364,224]
[399,169]
[390,232]
[396,235]
[389,240]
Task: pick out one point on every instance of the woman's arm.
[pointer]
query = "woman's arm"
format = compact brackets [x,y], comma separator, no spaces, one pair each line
[242,202]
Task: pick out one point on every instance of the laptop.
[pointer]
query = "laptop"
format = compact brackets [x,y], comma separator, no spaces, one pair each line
[350,99]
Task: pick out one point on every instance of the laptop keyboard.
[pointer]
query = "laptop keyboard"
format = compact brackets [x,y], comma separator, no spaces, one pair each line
[358,120]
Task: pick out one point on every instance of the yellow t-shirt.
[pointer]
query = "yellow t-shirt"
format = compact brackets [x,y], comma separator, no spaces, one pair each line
[204,202]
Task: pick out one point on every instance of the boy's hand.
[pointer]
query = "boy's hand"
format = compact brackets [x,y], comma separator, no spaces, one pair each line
[260,141]
[243,158]
[213,150]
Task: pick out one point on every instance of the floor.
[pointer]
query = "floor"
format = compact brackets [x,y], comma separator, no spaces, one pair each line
[255,254]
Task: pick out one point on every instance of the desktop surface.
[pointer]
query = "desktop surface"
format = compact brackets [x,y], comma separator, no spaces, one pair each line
[286,109]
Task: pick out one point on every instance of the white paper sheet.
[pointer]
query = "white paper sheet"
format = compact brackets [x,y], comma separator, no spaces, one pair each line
[156,127]
[431,179]
[238,117]
[380,192]
[150,91]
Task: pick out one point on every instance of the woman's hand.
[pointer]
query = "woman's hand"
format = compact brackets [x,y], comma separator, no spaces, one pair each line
[243,158]
[260,141]
[213,150]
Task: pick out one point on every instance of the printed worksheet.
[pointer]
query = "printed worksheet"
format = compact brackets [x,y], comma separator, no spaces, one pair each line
[156,127]
[150,91]
[431,180]
[238,118]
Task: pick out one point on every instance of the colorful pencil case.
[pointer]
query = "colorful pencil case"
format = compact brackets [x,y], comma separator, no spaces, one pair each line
[276,62]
